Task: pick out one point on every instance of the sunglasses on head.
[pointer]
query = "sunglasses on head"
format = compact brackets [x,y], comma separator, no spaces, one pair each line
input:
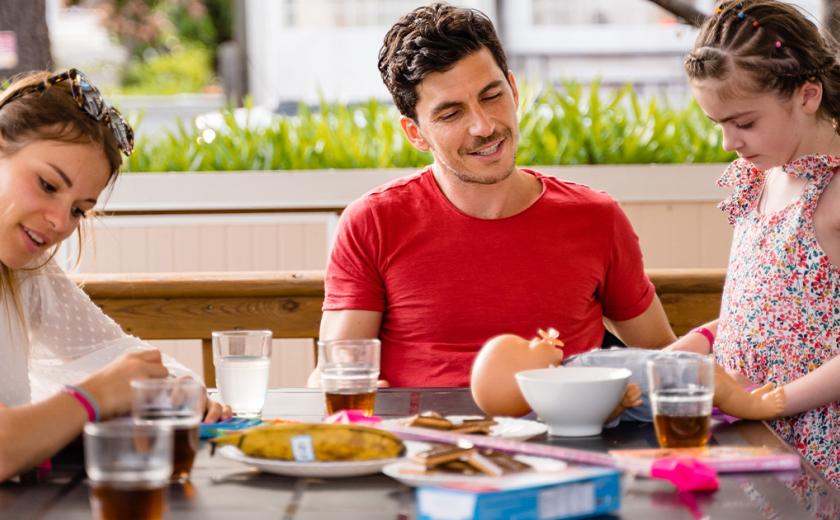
[90,101]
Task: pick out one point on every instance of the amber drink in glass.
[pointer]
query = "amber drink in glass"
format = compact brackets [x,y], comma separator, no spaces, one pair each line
[681,391]
[178,404]
[349,372]
[128,467]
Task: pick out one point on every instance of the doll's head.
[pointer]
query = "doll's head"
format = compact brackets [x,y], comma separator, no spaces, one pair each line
[492,380]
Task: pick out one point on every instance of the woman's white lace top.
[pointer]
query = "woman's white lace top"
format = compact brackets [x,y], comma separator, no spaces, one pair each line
[65,338]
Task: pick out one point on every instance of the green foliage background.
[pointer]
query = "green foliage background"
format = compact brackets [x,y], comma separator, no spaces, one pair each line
[569,125]
[171,44]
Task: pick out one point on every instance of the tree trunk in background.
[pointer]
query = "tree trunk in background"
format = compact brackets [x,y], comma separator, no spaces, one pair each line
[831,17]
[683,10]
[28,20]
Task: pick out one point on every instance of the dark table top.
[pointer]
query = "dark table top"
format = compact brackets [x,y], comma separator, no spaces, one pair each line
[221,488]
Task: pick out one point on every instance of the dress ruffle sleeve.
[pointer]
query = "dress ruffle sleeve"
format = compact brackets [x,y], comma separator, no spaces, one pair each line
[814,168]
[746,181]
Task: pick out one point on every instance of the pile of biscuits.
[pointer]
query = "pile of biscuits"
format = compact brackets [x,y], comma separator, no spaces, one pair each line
[468,461]
[436,421]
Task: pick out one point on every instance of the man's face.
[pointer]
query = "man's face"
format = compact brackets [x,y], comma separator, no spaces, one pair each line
[466,116]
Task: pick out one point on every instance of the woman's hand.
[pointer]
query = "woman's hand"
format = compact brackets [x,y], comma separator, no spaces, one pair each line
[110,387]
[215,411]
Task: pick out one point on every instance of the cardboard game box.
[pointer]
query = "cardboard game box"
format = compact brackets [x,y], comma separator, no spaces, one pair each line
[577,492]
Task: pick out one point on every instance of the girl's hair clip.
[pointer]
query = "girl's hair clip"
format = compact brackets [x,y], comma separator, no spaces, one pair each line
[778,44]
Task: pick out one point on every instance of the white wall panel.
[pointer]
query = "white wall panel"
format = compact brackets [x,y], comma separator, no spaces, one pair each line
[179,243]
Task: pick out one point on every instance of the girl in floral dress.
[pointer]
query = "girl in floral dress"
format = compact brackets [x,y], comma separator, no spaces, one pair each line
[764,74]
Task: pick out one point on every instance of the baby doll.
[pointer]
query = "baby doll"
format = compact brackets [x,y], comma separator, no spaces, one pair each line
[496,392]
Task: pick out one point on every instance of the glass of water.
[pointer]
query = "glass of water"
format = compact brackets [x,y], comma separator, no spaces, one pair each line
[242,359]
[682,386]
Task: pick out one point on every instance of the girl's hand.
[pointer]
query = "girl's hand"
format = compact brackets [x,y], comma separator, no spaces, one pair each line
[110,387]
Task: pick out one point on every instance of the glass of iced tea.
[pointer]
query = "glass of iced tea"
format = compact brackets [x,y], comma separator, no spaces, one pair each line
[178,404]
[682,386]
[349,372]
[128,467]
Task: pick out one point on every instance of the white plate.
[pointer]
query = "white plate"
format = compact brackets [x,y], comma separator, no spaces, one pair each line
[410,473]
[350,468]
[505,427]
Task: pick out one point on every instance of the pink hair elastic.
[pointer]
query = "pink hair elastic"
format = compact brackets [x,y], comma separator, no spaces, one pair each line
[85,399]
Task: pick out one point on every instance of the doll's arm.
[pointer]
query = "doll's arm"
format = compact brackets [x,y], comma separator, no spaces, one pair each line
[817,388]
[632,398]
[766,402]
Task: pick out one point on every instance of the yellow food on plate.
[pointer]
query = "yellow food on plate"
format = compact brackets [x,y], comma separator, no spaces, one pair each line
[315,442]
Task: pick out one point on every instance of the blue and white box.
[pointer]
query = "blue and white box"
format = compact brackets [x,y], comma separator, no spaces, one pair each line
[577,492]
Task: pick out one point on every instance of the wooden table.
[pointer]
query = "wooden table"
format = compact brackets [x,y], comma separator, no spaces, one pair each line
[222,489]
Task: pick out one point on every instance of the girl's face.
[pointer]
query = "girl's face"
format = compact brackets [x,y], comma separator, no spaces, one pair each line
[46,188]
[761,127]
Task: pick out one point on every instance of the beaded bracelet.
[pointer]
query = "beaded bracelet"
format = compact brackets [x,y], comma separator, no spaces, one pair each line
[706,333]
[85,399]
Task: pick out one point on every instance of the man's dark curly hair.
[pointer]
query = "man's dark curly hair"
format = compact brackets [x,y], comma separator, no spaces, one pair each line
[432,39]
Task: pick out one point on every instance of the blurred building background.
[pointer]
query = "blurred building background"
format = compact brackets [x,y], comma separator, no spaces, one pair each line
[282,52]
[303,49]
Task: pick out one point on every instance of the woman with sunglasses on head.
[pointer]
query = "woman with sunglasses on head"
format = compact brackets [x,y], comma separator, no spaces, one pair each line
[64,362]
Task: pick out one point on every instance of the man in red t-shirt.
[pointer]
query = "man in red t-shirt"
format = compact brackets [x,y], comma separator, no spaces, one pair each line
[436,263]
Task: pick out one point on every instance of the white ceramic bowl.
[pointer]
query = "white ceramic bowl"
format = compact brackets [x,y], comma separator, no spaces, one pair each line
[573,401]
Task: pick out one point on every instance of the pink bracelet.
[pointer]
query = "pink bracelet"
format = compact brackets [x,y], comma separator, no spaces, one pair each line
[706,333]
[85,399]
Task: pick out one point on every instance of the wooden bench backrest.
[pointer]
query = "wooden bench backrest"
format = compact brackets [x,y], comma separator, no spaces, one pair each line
[191,306]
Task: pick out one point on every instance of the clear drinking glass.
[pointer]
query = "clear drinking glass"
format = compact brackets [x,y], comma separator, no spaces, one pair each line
[682,387]
[242,359]
[128,466]
[177,403]
[349,372]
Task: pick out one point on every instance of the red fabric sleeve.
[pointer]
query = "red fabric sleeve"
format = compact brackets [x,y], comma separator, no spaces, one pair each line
[627,291]
[352,280]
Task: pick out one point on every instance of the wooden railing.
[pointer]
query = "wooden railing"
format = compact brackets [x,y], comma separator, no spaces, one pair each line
[191,306]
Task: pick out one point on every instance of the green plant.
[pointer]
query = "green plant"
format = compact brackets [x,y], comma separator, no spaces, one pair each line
[171,44]
[566,125]
[148,27]
[184,70]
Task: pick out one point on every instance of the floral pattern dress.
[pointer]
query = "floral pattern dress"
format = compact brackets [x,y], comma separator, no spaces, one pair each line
[780,314]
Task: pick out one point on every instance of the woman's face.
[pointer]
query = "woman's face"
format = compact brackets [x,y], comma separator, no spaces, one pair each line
[46,188]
